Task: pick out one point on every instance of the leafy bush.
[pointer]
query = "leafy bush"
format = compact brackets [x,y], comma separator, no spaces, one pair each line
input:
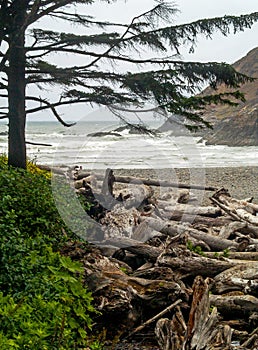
[27,203]
[49,307]
[31,166]
[43,302]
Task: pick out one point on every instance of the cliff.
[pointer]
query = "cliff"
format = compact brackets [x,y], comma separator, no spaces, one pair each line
[236,126]
[233,126]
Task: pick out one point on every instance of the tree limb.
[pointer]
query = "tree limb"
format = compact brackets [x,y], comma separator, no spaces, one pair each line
[50,106]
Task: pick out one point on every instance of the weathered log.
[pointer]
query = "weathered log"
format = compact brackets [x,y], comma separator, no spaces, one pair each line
[202,330]
[227,230]
[143,232]
[242,277]
[172,228]
[86,180]
[244,215]
[166,337]
[160,183]
[234,304]
[193,210]
[186,263]
[149,182]
[192,243]
[135,247]
[224,197]
[155,272]
[250,230]
[225,208]
[170,333]
[240,226]
[253,319]
[252,342]
[248,256]
[240,237]
[196,219]
[184,196]
[54,170]
[119,222]
[252,206]
[116,293]
[134,196]
[237,324]
[172,197]
[240,209]
[108,183]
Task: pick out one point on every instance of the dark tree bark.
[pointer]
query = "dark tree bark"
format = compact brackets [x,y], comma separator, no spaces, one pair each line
[16,86]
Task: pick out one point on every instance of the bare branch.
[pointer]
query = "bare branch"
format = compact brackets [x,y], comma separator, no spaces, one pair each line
[50,106]
[109,56]
[38,144]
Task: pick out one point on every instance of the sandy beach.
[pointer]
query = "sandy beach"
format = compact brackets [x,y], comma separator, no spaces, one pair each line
[241,182]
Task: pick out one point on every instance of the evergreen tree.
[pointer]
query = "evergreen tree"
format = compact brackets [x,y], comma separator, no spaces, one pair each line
[27,50]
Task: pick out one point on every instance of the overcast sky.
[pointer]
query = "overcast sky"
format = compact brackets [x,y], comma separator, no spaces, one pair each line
[220,48]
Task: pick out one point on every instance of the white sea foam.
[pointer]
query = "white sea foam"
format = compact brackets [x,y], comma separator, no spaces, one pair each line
[72,146]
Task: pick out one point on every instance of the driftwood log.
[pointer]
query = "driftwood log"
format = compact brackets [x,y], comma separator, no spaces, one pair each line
[241,277]
[202,330]
[173,228]
[148,182]
[170,257]
[241,210]
[234,304]
[186,263]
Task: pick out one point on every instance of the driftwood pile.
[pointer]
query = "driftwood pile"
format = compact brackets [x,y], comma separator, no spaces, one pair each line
[184,273]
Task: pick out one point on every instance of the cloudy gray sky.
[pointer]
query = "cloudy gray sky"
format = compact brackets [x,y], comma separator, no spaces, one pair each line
[221,49]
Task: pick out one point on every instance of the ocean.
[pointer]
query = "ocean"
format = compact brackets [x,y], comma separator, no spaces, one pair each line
[72,146]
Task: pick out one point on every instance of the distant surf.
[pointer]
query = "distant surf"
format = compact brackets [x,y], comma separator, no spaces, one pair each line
[71,146]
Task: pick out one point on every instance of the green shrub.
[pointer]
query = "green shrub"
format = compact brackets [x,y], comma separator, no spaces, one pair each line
[51,307]
[31,167]
[43,302]
[26,201]
[196,249]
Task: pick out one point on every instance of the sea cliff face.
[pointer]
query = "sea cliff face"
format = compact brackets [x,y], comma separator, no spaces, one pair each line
[240,130]
[232,125]
[236,126]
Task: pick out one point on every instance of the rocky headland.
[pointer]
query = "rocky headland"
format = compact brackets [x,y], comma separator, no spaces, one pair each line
[232,125]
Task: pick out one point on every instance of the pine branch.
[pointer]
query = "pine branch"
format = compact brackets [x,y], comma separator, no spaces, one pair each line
[67,39]
[184,34]
[157,10]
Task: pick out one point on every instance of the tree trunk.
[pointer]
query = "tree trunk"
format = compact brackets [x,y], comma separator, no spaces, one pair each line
[16,87]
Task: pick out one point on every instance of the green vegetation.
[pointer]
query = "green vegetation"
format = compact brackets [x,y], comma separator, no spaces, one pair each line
[224,254]
[196,249]
[43,302]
